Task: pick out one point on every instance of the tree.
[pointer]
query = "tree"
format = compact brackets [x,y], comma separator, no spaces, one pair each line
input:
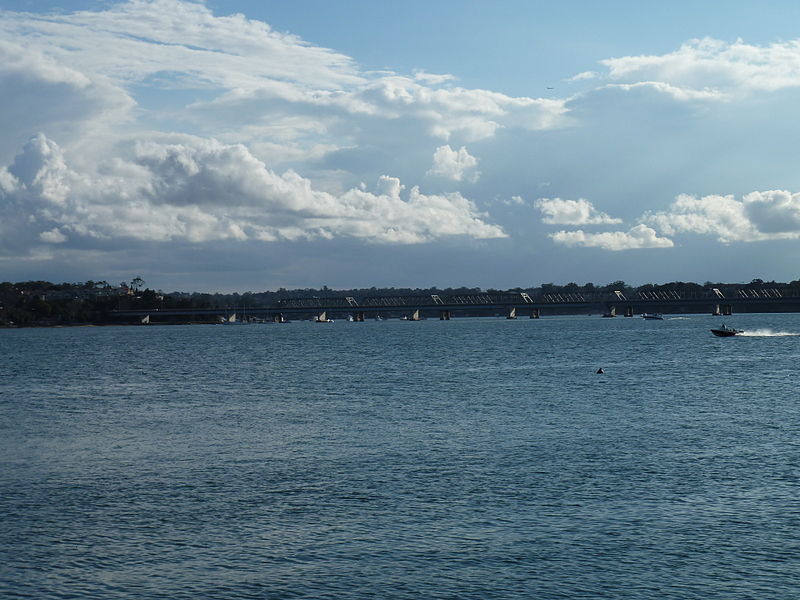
[136,283]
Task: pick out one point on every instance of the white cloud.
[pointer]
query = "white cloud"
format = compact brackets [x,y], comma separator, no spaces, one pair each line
[774,212]
[8,183]
[676,92]
[472,113]
[210,191]
[638,237]
[557,211]
[432,78]
[388,186]
[54,236]
[758,216]
[710,68]
[454,164]
[583,76]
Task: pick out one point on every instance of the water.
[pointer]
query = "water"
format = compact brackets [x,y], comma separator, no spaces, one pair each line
[467,459]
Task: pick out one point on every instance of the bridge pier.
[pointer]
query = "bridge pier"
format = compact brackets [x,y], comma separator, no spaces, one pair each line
[722,309]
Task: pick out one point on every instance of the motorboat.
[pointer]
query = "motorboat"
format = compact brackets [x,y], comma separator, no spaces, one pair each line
[653,316]
[724,331]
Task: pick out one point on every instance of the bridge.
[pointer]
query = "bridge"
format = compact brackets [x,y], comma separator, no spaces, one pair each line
[508,304]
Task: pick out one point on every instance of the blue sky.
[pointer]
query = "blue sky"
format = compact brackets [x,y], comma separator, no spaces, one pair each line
[240,145]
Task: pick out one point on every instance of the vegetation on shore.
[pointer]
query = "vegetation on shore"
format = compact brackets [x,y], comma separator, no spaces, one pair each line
[41,303]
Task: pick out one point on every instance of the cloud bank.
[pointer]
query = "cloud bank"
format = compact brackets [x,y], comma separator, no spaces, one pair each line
[204,191]
[108,167]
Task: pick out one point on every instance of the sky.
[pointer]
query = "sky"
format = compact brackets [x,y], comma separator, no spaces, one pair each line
[245,145]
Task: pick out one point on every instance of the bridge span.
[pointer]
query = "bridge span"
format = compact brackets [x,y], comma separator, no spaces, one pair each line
[509,305]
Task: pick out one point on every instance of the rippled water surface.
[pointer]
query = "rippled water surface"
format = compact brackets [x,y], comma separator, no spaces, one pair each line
[466,459]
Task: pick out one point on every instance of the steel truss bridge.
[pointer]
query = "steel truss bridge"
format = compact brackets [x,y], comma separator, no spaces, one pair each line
[512,305]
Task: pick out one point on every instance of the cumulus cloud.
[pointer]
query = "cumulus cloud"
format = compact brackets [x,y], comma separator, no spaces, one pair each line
[452,164]
[211,191]
[758,216]
[709,68]
[774,212]
[558,211]
[638,237]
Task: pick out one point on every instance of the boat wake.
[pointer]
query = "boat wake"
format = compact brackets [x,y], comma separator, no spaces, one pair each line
[767,333]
